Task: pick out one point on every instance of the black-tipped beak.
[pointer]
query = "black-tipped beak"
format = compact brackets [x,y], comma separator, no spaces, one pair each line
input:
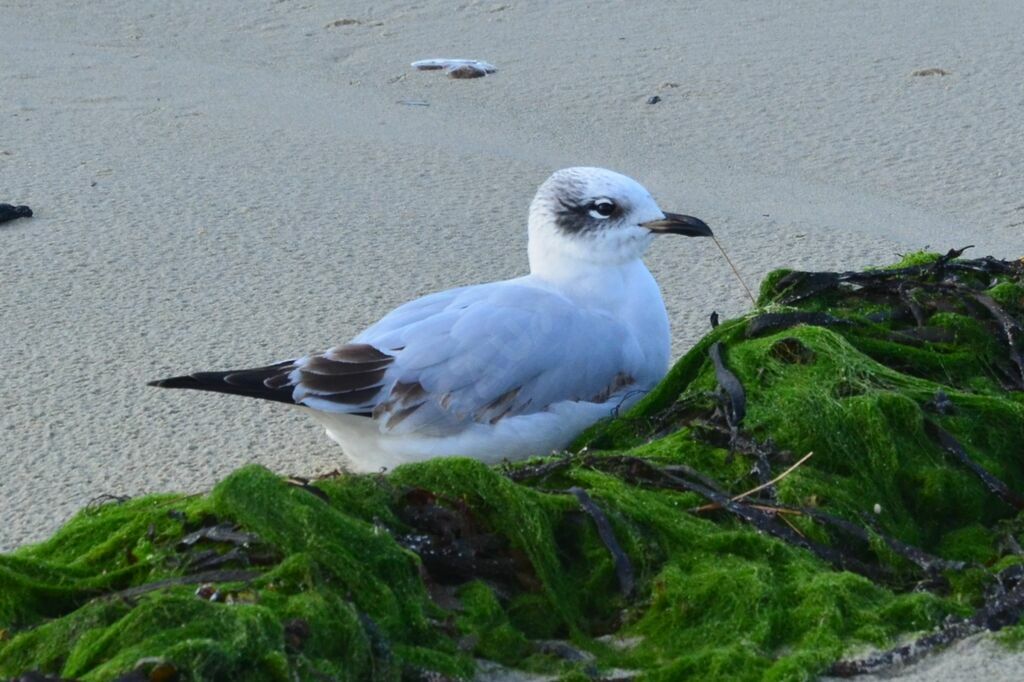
[674,223]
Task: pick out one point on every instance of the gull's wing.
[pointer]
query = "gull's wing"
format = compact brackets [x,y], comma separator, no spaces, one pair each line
[436,364]
[497,350]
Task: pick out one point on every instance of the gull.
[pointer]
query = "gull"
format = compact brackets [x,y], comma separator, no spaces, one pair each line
[503,370]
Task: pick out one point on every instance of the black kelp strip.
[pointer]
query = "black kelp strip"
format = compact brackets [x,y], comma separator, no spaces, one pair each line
[227,576]
[928,563]
[1010,329]
[636,471]
[953,447]
[1003,607]
[623,567]
[766,323]
[731,386]
[538,471]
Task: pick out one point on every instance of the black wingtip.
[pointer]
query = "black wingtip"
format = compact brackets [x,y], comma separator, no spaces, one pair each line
[247,382]
[176,382]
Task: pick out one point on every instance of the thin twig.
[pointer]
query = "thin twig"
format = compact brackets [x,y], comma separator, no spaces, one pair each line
[735,271]
[790,524]
[777,510]
[775,480]
[787,472]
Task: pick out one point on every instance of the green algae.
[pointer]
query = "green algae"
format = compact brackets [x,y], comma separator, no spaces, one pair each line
[422,571]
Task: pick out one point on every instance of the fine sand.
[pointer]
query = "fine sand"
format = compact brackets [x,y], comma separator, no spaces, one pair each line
[225,184]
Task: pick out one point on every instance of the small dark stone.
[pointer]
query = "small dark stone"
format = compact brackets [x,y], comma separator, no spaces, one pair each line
[9,212]
[653,99]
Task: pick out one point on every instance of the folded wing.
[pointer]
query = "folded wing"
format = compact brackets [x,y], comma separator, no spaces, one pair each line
[434,365]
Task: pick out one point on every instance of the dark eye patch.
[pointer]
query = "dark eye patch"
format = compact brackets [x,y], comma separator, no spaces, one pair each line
[585,216]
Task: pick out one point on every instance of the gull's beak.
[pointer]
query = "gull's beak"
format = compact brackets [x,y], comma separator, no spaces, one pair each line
[674,223]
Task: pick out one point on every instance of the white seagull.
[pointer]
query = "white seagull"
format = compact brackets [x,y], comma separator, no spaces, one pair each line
[503,370]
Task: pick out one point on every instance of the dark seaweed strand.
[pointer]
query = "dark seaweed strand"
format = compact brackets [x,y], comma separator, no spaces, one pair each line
[927,562]
[731,385]
[762,469]
[623,567]
[762,454]
[906,294]
[1002,609]
[227,576]
[641,470]
[773,322]
[530,471]
[953,447]
[691,473]
[222,532]
[800,285]
[1010,329]
[935,270]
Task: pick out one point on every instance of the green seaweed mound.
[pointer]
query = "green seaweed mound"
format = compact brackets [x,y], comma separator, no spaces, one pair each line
[690,538]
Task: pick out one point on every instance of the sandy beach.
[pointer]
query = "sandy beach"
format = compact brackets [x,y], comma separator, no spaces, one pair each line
[226,184]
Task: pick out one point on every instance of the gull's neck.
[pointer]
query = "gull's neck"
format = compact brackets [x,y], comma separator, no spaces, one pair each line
[625,291]
[615,280]
[596,284]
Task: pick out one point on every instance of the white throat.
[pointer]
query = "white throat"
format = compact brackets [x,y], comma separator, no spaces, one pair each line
[556,257]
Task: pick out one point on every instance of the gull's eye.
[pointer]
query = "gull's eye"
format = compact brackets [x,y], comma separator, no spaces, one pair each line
[602,208]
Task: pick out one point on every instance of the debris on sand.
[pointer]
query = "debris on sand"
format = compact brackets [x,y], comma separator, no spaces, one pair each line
[456,68]
[9,212]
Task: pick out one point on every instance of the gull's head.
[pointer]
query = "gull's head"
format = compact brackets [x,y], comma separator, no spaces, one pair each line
[599,217]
